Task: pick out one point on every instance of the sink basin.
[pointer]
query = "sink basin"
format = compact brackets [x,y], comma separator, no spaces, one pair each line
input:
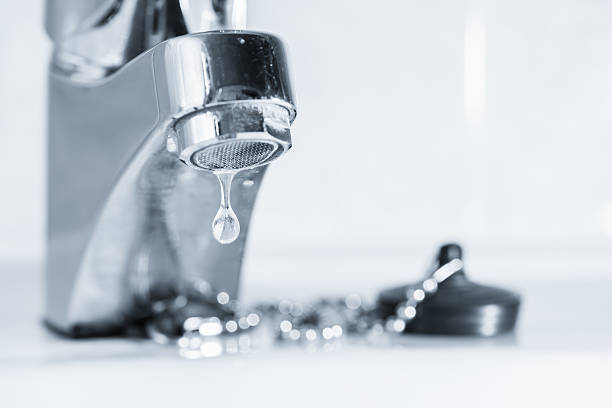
[560,354]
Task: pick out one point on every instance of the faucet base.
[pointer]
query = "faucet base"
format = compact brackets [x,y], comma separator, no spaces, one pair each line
[128,221]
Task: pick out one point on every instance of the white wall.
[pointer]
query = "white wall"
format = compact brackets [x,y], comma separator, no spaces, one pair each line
[24,51]
[419,121]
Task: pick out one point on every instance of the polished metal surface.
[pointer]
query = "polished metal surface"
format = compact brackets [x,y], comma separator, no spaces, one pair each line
[236,136]
[94,38]
[128,210]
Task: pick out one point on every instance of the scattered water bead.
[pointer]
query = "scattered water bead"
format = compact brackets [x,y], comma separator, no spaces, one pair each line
[294,334]
[210,326]
[327,333]
[285,326]
[311,335]
[430,285]
[183,342]
[406,312]
[223,298]
[192,324]
[180,301]
[353,301]
[231,326]
[253,319]
[395,325]
[243,323]
[416,294]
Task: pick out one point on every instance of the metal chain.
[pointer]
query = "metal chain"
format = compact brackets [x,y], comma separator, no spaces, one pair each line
[319,324]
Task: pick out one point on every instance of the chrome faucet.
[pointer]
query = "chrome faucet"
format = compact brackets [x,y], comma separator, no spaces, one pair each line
[147,98]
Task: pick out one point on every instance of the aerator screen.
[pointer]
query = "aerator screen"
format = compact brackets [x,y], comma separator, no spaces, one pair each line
[234,155]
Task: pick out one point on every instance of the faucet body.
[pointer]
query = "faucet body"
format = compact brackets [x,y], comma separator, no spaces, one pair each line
[128,221]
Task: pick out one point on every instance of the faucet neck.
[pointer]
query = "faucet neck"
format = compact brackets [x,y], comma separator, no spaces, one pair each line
[93,38]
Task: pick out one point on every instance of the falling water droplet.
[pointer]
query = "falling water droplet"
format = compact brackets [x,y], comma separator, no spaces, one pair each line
[225,225]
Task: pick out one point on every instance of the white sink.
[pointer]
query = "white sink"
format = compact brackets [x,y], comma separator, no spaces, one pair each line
[560,355]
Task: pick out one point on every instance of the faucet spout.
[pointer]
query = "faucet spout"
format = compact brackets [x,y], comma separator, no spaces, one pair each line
[132,157]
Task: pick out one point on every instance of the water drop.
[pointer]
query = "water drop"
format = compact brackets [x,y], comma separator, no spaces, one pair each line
[225,225]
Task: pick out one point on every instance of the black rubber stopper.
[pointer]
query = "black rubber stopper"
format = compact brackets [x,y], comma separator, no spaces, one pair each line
[459,307]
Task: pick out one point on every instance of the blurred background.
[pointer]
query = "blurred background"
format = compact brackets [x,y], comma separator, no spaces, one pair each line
[484,122]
